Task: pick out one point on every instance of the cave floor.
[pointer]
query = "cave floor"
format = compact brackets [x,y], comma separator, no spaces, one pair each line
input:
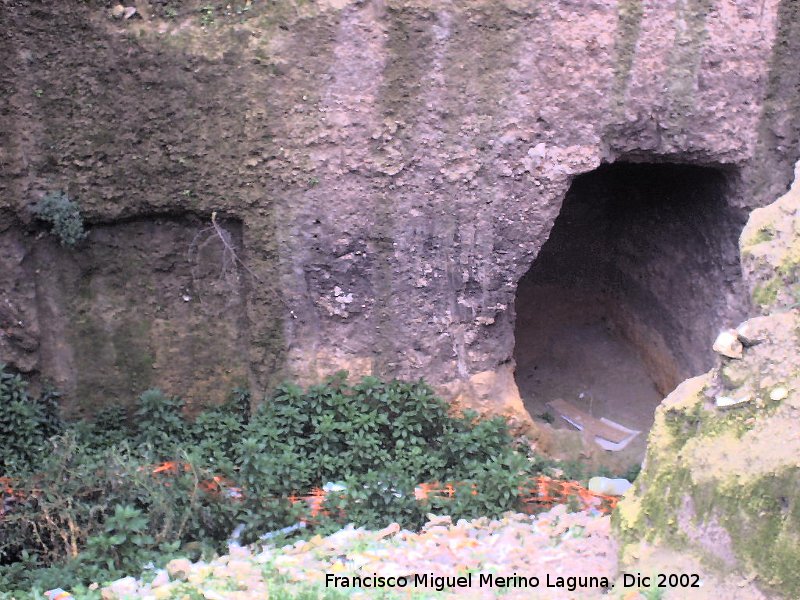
[571,350]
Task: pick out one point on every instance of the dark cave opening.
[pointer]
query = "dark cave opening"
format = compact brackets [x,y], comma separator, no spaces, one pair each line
[640,270]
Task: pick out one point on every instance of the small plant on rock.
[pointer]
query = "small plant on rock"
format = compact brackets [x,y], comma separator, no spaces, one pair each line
[64,215]
[207,15]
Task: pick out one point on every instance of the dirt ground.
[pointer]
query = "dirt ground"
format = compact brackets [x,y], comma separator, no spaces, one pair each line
[572,350]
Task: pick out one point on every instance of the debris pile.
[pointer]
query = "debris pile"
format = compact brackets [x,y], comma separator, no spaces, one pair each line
[550,547]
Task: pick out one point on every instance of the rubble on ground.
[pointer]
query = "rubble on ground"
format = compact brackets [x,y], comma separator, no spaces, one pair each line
[555,544]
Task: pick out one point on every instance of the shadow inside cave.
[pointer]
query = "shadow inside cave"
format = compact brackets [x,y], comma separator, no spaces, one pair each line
[640,269]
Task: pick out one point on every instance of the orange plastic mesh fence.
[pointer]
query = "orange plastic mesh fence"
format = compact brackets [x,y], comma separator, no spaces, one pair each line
[541,493]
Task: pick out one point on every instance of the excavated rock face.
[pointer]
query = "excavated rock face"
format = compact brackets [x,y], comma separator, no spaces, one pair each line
[387,171]
[722,477]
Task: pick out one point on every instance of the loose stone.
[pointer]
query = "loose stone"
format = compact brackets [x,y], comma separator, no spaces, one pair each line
[728,344]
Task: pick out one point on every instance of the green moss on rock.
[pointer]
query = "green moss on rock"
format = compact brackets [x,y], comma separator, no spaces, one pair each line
[762,517]
[682,424]
[764,234]
[767,293]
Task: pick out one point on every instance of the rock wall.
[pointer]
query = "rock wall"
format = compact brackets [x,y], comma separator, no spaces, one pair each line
[393,167]
[721,479]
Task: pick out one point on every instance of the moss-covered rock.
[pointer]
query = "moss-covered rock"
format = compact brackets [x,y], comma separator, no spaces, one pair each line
[722,476]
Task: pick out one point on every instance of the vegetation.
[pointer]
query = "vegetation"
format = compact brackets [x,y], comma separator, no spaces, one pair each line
[25,424]
[764,234]
[207,15]
[64,216]
[767,293]
[90,502]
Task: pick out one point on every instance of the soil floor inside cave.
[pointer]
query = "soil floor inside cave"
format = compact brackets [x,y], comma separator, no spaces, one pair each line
[578,355]
[623,301]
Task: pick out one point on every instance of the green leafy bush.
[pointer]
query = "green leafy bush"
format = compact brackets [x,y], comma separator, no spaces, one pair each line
[64,216]
[94,507]
[217,431]
[25,424]
[64,524]
[381,439]
[95,515]
[160,423]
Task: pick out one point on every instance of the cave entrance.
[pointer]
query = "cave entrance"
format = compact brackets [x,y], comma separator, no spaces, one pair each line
[640,270]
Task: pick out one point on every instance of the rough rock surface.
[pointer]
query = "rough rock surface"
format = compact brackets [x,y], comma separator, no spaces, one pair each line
[722,476]
[392,168]
[770,245]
